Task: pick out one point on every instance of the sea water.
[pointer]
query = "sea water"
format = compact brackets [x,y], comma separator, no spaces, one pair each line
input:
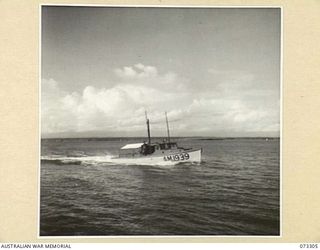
[234,191]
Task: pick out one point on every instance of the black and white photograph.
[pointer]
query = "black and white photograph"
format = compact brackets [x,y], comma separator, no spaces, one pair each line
[160,121]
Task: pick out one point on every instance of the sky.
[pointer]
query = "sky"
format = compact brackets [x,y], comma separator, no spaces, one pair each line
[216,71]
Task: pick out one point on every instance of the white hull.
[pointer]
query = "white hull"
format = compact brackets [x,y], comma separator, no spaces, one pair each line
[193,156]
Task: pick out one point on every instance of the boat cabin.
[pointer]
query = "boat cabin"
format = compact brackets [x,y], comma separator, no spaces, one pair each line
[168,145]
[135,149]
[130,150]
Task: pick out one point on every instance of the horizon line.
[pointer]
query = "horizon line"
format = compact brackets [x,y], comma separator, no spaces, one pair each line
[133,137]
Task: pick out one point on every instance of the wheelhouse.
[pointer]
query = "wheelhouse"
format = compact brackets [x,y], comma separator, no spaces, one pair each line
[168,145]
[135,149]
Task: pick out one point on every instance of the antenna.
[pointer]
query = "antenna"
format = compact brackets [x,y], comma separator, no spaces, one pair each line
[148,127]
[167,127]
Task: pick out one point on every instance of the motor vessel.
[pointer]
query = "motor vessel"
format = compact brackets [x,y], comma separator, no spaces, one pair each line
[157,153]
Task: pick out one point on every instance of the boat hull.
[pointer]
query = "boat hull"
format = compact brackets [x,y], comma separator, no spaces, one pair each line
[173,158]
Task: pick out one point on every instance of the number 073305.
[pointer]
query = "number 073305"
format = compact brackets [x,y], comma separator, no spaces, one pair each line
[309,245]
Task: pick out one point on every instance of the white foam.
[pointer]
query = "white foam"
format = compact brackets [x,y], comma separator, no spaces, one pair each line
[82,159]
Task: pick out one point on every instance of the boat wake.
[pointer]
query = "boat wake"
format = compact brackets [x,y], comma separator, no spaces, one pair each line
[88,160]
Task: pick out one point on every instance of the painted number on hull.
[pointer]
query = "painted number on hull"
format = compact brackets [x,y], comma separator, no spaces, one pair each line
[177,157]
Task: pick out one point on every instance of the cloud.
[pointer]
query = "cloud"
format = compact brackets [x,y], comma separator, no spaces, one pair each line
[137,71]
[120,109]
[140,74]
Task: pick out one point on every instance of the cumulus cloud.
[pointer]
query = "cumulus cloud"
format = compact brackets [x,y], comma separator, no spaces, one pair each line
[140,74]
[137,71]
[121,108]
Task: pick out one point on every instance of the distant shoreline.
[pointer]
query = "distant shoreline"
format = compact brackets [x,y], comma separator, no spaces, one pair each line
[204,138]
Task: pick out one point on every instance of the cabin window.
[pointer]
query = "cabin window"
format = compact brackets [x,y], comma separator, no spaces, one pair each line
[173,146]
[164,146]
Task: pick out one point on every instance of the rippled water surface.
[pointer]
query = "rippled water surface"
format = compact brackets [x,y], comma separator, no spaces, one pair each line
[234,191]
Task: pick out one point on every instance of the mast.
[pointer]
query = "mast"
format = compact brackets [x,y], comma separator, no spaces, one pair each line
[167,127]
[148,127]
